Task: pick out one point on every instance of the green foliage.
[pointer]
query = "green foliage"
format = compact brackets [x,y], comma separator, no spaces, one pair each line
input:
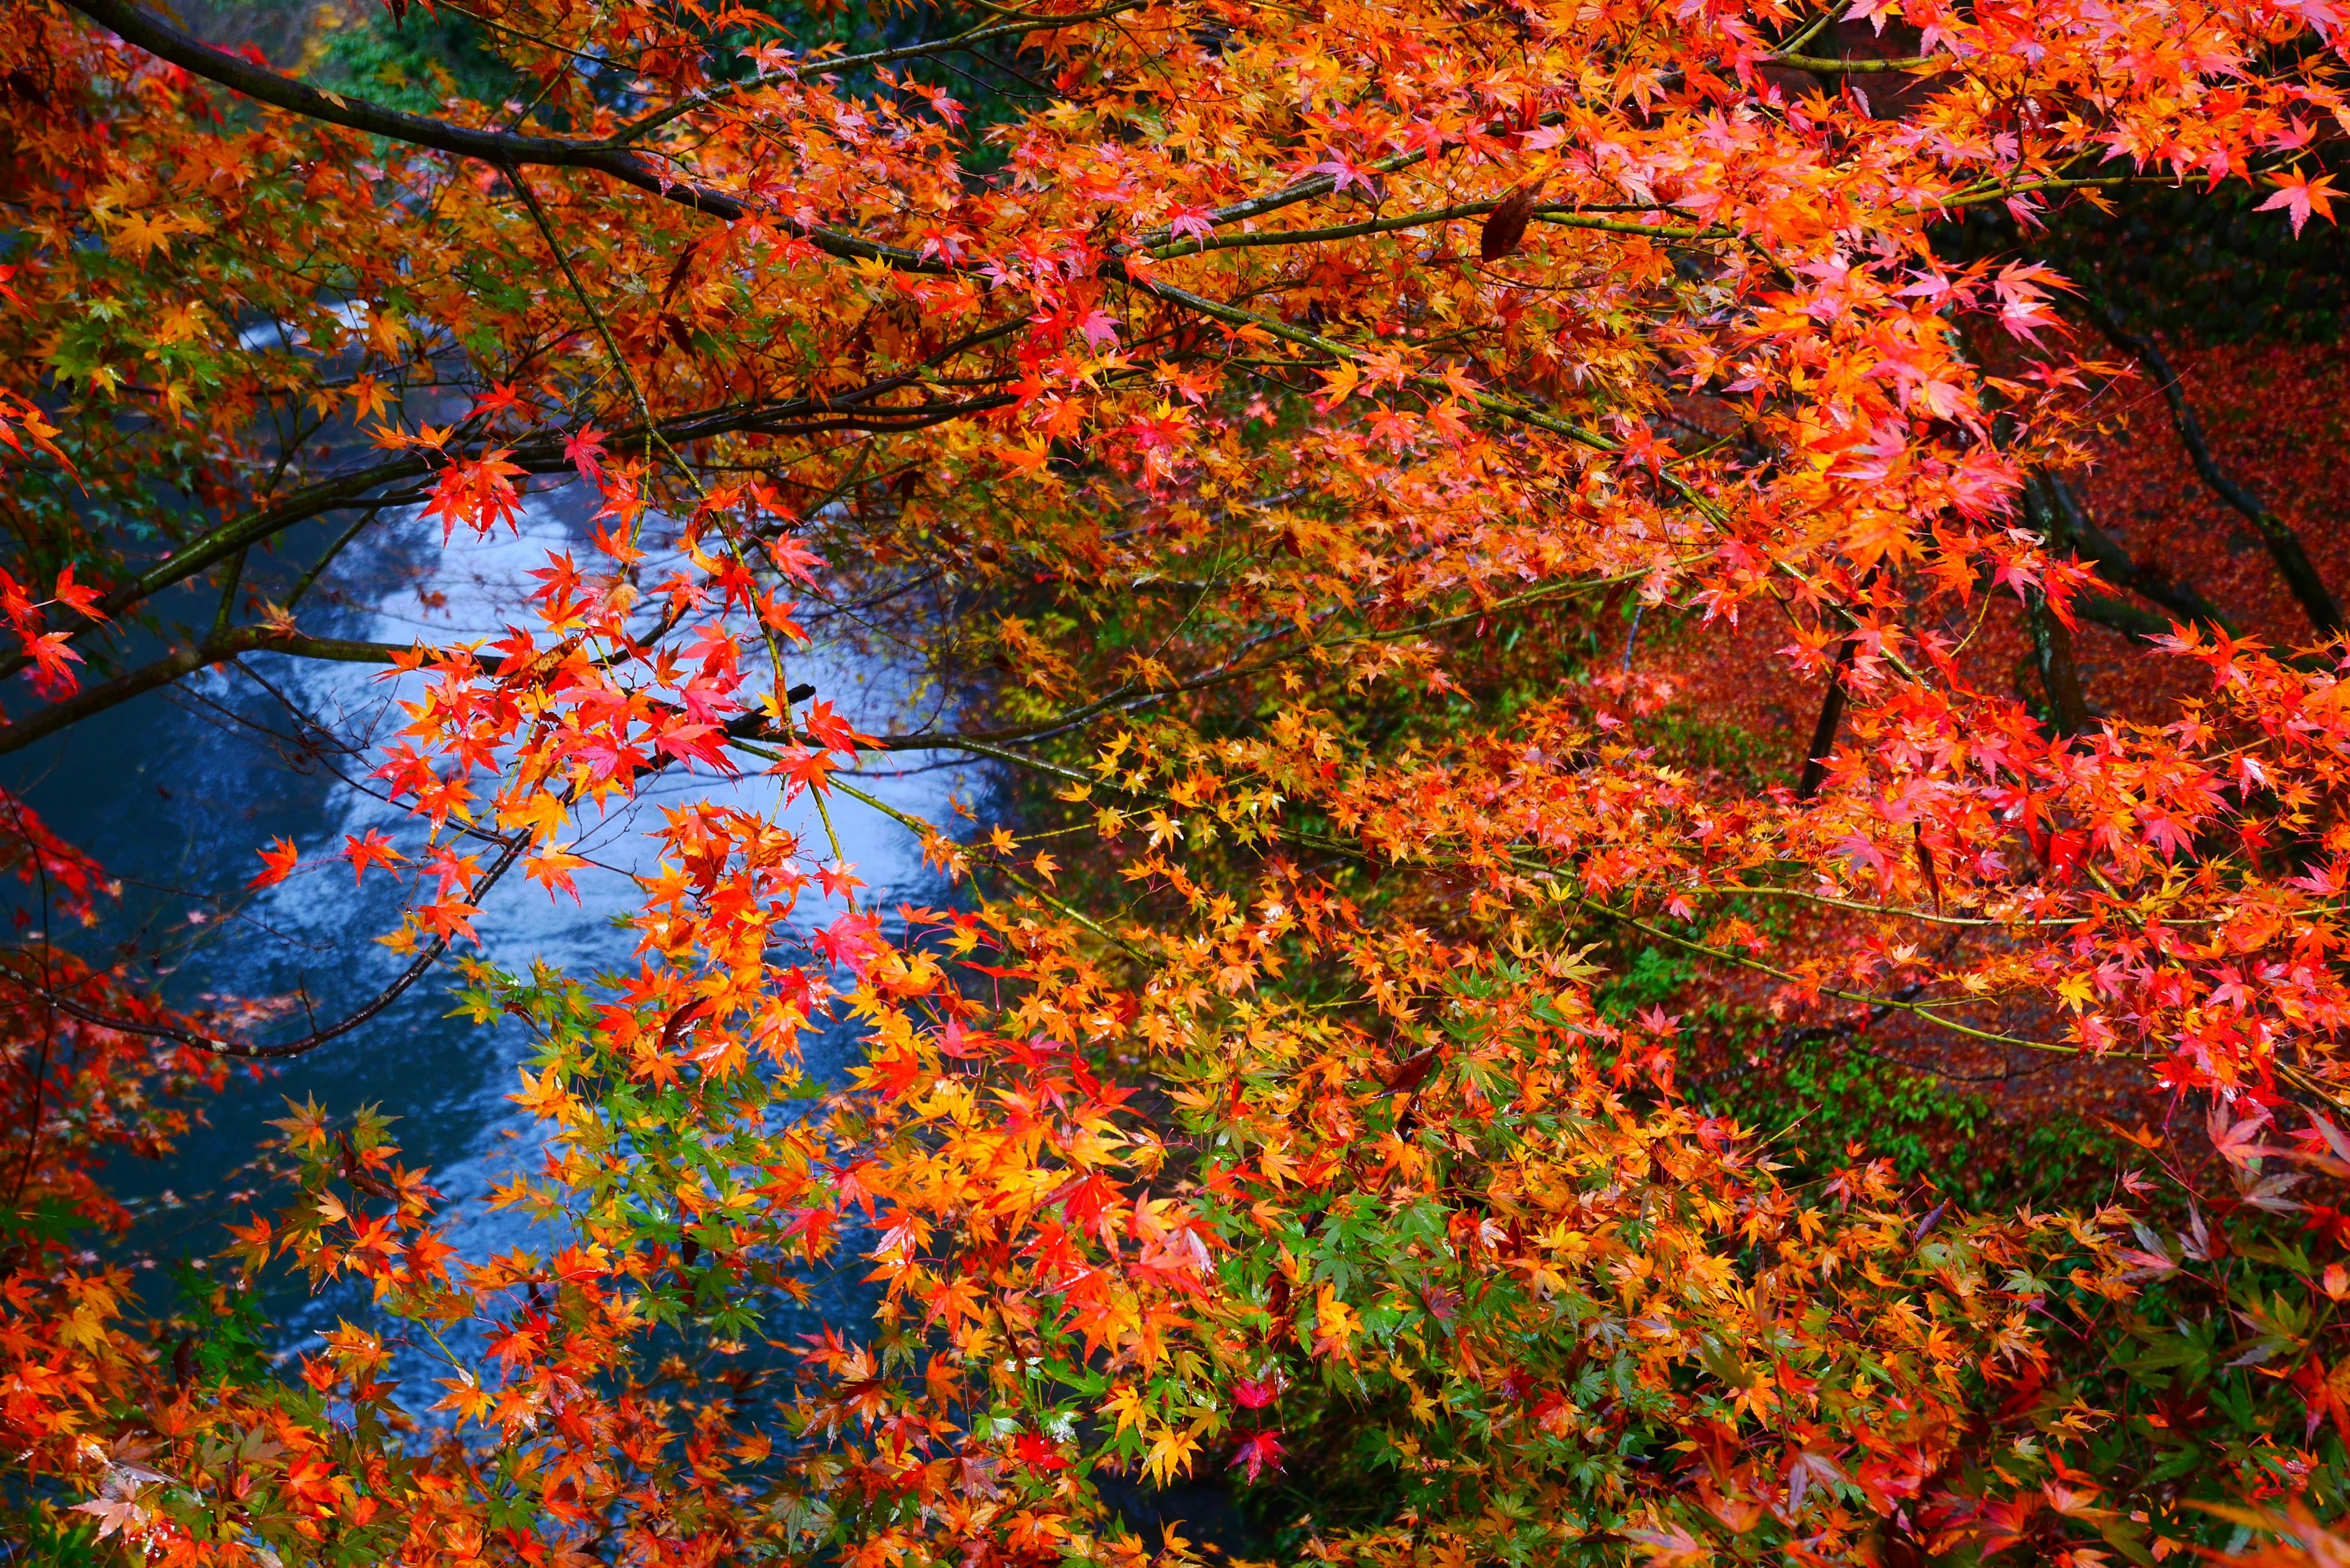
[48,1541]
[227,1338]
[1837,1094]
[46,1219]
[2200,1416]
[1653,977]
[417,63]
[1827,1094]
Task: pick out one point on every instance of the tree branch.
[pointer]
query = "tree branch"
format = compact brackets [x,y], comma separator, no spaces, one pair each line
[2058,516]
[2051,652]
[542,454]
[827,65]
[136,26]
[317,1037]
[92,699]
[1561,215]
[2283,544]
[1824,732]
[1820,67]
[610,157]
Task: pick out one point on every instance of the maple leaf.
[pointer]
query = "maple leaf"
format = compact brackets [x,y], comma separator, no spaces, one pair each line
[1039,1453]
[114,1511]
[1672,1546]
[691,742]
[1187,221]
[584,451]
[1258,1452]
[2238,1140]
[805,767]
[1098,327]
[83,600]
[278,863]
[854,939]
[502,398]
[793,559]
[1254,1394]
[370,399]
[617,544]
[478,493]
[1170,1457]
[373,849]
[1505,226]
[1028,458]
[449,918]
[552,871]
[833,732]
[1338,384]
[2300,195]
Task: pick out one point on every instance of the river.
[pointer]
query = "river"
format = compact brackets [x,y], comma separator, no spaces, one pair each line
[175,791]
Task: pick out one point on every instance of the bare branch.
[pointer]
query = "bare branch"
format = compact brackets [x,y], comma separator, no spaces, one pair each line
[149,32]
[2284,545]
[221,1046]
[221,645]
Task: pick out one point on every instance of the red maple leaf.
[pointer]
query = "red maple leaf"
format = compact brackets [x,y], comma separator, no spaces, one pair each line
[834,732]
[2301,196]
[1258,1452]
[52,676]
[1256,1394]
[585,451]
[478,493]
[1039,1453]
[78,596]
[793,559]
[373,848]
[277,864]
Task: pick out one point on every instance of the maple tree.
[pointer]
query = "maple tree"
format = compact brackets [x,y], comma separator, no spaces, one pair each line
[1334,451]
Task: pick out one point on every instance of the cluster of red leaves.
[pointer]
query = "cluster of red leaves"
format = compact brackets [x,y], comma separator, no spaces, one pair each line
[52,659]
[73,1097]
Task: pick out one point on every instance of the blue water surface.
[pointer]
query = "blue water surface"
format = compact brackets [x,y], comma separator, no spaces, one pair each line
[174,792]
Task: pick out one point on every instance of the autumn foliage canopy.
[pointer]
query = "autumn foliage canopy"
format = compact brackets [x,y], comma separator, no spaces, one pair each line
[1325,453]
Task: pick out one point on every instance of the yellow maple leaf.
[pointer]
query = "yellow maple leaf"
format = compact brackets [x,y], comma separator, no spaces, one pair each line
[1170,1457]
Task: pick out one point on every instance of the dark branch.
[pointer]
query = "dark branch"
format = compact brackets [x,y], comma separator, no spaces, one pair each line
[536,454]
[1824,733]
[185,661]
[317,1037]
[498,148]
[2057,515]
[160,38]
[2060,677]
[2283,544]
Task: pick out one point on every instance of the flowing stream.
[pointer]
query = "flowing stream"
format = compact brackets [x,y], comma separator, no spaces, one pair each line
[174,792]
